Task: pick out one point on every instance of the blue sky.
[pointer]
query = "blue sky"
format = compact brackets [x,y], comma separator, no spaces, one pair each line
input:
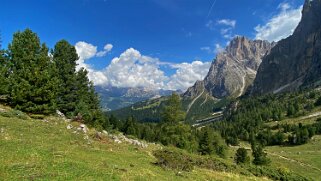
[167,32]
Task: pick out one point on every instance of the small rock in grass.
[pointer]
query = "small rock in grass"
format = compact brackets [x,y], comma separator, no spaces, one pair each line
[83,128]
[117,141]
[60,114]
[69,126]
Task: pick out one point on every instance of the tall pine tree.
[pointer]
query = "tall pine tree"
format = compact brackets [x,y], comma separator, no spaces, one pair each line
[88,104]
[205,144]
[32,84]
[76,94]
[172,112]
[65,57]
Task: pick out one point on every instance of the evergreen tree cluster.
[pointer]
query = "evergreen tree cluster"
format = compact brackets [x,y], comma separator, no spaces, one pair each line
[38,81]
[247,122]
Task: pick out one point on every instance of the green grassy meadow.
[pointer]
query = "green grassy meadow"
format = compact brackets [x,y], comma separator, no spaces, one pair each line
[45,150]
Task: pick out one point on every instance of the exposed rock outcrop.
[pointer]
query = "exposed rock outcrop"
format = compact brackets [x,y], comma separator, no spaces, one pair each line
[294,62]
[234,69]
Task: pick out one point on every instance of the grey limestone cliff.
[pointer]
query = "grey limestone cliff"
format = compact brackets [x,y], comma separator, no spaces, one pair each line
[233,70]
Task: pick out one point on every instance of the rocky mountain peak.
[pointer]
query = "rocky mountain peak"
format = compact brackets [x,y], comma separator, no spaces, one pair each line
[311,15]
[234,69]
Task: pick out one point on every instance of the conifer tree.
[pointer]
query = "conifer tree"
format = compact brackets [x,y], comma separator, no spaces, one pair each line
[32,85]
[172,112]
[65,57]
[205,144]
[76,94]
[260,157]
[130,126]
[87,96]
[241,156]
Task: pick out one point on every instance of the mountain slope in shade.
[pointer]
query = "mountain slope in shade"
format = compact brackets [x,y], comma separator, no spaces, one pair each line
[234,69]
[294,62]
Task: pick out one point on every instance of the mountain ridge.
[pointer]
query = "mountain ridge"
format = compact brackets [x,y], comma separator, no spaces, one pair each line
[295,61]
[233,70]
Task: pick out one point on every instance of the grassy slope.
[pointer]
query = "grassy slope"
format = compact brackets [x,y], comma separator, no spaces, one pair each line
[303,159]
[33,149]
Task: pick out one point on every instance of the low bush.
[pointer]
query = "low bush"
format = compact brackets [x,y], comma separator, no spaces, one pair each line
[174,160]
[181,160]
[14,113]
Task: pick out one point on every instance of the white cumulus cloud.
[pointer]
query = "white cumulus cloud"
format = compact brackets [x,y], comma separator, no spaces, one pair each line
[281,25]
[132,69]
[87,51]
[187,74]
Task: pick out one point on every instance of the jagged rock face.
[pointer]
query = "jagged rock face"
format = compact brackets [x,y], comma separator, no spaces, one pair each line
[295,61]
[234,69]
[197,89]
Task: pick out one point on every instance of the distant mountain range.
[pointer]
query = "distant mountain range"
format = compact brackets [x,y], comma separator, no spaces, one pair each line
[113,98]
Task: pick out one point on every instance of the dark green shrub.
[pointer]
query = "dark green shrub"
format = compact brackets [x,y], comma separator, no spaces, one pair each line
[181,160]
[241,156]
[174,160]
